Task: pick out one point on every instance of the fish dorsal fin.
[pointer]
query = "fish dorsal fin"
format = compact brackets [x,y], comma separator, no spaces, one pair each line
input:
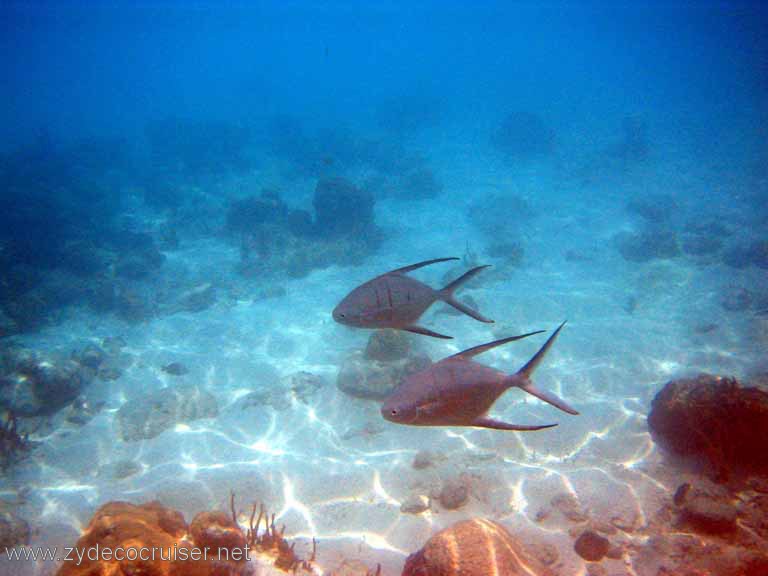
[406,269]
[471,352]
[531,365]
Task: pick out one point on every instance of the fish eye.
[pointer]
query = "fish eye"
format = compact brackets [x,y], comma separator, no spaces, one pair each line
[394,412]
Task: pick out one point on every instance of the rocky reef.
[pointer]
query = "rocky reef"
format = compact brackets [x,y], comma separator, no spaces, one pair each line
[277,240]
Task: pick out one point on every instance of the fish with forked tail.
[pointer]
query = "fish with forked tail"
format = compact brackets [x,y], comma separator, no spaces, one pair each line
[394,300]
[458,391]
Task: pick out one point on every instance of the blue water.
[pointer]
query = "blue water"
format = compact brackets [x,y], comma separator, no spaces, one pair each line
[201,183]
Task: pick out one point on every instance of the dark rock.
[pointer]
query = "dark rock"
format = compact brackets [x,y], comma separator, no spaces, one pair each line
[453,495]
[246,214]
[655,209]
[704,514]
[91,356]
[300,223]
[701,245]
[523,136]
[303,385]
[43,386]
[341,208]
[591,546]
[14,531]
[147,416]
[714,420]
[113,344]
[175,369]
[414,504]
[648,245]
[422,460]
[387,346]
[736,299]
[8,326]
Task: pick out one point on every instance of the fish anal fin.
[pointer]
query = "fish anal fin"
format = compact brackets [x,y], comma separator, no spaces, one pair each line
[471,352]
[485,422]
[426,332]
[410,267]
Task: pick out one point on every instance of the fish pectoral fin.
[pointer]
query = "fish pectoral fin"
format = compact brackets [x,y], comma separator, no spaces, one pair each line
[485,422]
[426,332]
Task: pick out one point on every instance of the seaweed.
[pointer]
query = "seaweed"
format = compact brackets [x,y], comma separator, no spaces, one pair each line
[271,540]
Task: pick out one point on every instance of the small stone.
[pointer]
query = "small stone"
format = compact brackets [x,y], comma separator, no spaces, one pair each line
[414,504]
[591,546]
[453,495]
[423,459]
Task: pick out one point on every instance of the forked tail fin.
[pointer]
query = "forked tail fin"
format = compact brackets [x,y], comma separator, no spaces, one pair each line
[446,295]
[523,377]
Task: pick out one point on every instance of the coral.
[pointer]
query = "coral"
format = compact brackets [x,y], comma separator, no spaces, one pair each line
[476,547]
[271,541]
[714,420]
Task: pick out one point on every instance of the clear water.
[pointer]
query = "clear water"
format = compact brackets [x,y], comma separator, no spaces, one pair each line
[631,180]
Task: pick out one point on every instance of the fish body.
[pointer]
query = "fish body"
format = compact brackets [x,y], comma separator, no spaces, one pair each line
[394,300]
[457,391]
[175,369]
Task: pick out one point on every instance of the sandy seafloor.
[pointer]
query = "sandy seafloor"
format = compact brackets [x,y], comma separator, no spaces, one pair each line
[333,468]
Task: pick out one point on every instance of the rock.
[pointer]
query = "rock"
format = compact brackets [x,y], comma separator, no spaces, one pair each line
[14,531]
[476,547]
[736,299]
[423,459]
[113,344]
[244,215]
[713,420]
[42,386]
[524,135]
[569,507]
[175,369]
[8,326]
[91,356]
[414,504]
[705,514]
[371,379]
[388,346]
[648,245]
[303,385]
[654,208]
[341,208]
[453,495]
[591,546]
[147,416]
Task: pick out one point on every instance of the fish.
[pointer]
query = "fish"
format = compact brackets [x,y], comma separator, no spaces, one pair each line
[394,300]
[457,391]
[175,369]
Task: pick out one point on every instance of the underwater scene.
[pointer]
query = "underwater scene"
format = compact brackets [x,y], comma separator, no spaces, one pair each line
[386,288]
